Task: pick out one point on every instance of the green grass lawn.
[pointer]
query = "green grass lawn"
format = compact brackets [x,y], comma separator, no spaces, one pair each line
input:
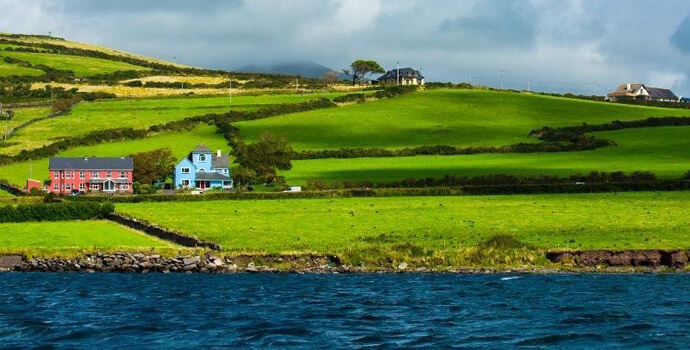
[4,193]
[7,69]
[74,234]
[80,65]
[181,144]
[662,151]
[137,113]
[442,224]
[441,117]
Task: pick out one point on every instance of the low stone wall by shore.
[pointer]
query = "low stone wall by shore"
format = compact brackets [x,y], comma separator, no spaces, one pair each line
[161,232]
[651,258]
[141,263]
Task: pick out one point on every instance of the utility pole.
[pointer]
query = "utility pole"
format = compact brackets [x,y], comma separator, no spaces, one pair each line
[230,88]
[398,68]
[470,79]
[175,60]
[7,120]
[528,84]
[502,73]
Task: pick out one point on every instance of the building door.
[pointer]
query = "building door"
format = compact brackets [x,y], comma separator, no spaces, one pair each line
[202,185]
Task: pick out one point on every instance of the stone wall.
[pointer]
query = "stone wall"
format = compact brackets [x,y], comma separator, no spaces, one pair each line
[17,191]
[162,232]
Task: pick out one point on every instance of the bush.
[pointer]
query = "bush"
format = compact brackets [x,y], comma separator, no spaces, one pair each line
[55,211]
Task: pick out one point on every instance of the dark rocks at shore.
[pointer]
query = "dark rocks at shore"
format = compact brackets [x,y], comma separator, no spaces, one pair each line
[141,263]
[647,258]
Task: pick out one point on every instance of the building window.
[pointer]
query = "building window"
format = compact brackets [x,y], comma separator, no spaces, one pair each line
[122,175]
[95,175]
[107,174]
[202,157]
[184,170]
[185,183]
[124,186]
[56,174]
[82,187]
[68,187]
[56,187]
[82,174]
[94,187]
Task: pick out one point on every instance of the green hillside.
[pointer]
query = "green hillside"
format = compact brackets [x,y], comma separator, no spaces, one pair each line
[136,113]
[7,69]
[442,117]
[81,66]
[662,151]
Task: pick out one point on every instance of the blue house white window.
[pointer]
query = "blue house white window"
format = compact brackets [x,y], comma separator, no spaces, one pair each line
[184,171]
[202,157]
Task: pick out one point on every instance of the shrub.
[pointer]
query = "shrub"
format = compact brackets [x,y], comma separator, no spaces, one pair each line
[55,211]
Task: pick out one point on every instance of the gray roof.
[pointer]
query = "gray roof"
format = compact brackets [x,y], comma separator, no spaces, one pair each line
[91,163]
[404,73]
[201,149]
[662,94]
[203,175]
[220,162]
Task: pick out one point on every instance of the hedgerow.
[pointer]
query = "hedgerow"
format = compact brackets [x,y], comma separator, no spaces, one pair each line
[55,211]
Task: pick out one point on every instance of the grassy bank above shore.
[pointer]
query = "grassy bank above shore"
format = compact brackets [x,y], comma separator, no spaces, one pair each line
[368,229]
[55,237]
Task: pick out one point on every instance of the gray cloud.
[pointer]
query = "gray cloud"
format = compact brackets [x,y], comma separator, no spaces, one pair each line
[681,37]
[510,23]
[549,42]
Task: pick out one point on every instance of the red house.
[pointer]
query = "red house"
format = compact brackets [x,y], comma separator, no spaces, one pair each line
[107,175]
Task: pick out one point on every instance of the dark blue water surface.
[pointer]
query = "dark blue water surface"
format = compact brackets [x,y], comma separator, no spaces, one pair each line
[335,311]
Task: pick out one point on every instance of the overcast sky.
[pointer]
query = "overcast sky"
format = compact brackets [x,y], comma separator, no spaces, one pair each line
[560,45]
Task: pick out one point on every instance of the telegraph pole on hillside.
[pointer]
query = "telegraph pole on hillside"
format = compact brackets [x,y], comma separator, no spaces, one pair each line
[7,120]
[398,68]
[528,84]
[230,88]
[502,73]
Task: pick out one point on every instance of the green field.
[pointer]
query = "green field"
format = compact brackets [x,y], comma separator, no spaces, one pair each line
[139,113]
[441,117]
[441,224]
[22,115]
[662,151]
[7,69]
[81,66]
[180,143]
[74,234]
[4,193]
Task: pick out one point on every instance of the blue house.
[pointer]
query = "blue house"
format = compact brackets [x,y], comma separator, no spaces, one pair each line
[203,169]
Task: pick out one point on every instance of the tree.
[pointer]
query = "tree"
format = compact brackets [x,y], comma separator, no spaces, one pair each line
[153,165]
[361,69]
[330,78]
[242,175]
[270,152]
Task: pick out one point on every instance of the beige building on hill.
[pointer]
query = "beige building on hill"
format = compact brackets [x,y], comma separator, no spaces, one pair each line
[642,92]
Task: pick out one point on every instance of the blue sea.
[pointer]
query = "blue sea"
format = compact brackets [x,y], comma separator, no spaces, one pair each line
[343,311]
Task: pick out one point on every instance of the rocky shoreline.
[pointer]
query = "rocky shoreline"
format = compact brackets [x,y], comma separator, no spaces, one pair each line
[567,262]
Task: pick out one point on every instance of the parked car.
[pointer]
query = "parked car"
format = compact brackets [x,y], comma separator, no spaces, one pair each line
[294,189]
[197,192]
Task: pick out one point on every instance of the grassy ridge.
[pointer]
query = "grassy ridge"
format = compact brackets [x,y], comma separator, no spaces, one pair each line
[442,117]
[77,234]
[659,150]
[180,143]
[80,65]
[438,224]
